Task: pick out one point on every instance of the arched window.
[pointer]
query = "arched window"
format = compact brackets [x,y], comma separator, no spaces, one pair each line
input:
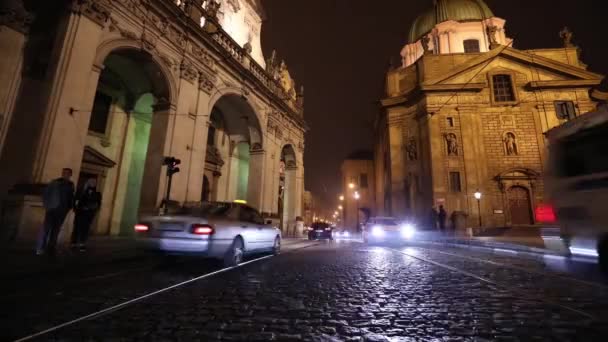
[471,46]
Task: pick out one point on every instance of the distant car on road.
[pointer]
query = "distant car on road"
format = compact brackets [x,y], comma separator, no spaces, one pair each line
[319,231]
[387,229]
[218,230]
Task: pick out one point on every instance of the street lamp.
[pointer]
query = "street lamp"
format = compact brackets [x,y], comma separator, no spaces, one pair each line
[357,197]
[341,197]
[478,198]
[351,185]
[340,207]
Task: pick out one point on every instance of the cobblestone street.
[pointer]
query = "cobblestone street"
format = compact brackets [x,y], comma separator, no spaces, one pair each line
[338,291]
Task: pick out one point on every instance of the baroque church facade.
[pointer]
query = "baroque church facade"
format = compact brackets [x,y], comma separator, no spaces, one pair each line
[466,112]
[109,88]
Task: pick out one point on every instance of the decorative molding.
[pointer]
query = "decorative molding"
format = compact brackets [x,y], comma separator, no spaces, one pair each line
[96,10]
[14,15]
[206,82]
[114,27]
[188,72]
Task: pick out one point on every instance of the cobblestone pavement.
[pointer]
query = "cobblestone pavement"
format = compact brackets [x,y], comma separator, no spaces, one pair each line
[351,292]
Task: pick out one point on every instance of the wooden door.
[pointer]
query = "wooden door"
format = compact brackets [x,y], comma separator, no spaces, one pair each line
[520,205]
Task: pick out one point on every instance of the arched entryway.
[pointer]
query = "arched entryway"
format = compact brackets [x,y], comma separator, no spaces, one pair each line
[520,205]
[233,163]
[128,125]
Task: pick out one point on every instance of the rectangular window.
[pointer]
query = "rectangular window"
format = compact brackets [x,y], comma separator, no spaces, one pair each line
[101,113]
[503,88]
[363,180]
[455,185]
[450,122]
[471,46]
[565,110]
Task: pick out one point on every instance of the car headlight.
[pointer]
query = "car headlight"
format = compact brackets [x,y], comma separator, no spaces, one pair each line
[377,231]
[408,231]
[346,234]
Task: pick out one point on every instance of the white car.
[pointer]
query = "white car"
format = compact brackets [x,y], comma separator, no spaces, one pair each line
[387,229]
[218,230]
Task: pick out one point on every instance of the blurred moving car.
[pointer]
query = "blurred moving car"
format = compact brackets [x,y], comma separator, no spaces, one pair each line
[341,234]
[218,230]
[577,183]
[387,229]
[319,231]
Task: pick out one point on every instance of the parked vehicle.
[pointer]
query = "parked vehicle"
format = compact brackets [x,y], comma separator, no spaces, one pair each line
[577,182]
[219,230]
[320,231]
[387,229]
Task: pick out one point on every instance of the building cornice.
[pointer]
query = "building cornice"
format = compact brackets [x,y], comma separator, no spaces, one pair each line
[564,84]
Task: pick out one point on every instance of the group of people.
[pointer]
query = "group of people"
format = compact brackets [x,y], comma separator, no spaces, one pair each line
[439,219]
[59,199]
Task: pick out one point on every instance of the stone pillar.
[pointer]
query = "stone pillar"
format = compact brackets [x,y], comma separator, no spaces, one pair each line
[198,149]
[395,136]
[291,189]
[64,122]
[154,181]
[185,139]
[14,25]
[256,186]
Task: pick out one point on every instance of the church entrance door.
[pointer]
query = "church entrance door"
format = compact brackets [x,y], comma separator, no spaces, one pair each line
[520,205]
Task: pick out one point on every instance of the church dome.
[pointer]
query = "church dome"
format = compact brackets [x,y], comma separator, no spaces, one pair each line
[445,10]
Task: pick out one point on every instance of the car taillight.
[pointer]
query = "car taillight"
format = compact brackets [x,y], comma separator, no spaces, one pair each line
[545,213]
[202,229]
[141,227]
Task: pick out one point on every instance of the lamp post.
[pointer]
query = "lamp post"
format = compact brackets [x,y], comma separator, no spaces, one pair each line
[478,198]
[357,197]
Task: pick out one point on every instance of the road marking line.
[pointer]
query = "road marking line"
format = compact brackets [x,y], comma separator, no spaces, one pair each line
[486,280]
[138,299]
[135,300]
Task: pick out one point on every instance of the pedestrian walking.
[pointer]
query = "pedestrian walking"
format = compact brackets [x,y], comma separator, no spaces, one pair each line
[88,202]
[58,200]
[433,218]
[442,218]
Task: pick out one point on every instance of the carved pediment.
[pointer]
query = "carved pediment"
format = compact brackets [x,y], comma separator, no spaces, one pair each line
[94,157]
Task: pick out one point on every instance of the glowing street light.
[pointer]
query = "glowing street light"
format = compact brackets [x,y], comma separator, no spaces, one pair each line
[351,185]
[341,197]
[357,196]
[340,207]
[477,195]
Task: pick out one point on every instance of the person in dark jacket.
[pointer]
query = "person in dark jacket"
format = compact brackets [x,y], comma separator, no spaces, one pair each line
[58,200]
[88,202]
[443,215]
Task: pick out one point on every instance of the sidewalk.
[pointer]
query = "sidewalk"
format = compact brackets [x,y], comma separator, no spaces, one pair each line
[19,259]
[527,240]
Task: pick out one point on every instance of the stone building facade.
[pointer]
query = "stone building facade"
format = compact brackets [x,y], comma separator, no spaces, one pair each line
[357,179]
[110,87]
[466,113]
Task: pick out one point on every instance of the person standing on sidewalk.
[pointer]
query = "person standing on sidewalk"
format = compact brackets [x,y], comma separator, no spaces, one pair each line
[58,199]
[443,215]
[88,202]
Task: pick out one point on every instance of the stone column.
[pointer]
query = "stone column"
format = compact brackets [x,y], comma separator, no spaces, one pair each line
[395,136]
[62,125]
[291,188]
[256,186]
[154,181]
[14,25]
[198,149]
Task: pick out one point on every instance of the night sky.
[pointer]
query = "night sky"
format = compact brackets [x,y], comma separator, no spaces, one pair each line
[340,50]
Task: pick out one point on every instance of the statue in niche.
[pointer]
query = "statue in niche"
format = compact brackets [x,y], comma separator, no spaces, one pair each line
[452,144]
[510,144]
[566,35]
[248,47]
[412,150]
[492,30]
[286,81]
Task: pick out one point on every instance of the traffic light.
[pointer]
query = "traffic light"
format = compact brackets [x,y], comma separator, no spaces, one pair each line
[172,163]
